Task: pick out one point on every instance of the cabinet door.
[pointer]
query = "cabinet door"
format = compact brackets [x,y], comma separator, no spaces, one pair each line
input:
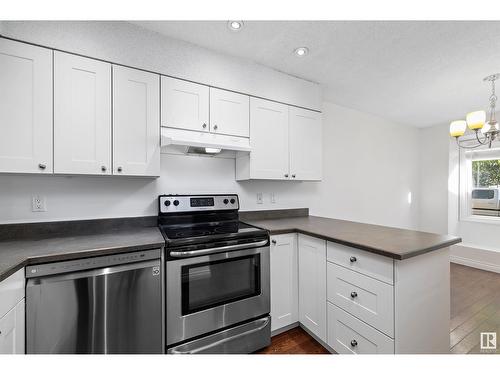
[25,108]
[184,105]
[136,122]
[12,330]
[284,281]
[82,115]
[229,113]
[312,284]
[305,144]
[269,141]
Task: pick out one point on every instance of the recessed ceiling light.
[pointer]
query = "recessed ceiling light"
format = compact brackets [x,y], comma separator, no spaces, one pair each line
[301,51]
[235,25]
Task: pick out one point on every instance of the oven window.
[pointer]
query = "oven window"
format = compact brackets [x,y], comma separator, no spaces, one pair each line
[211,284]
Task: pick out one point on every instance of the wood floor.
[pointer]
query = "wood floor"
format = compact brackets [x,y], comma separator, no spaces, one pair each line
[294,341]
[475,308]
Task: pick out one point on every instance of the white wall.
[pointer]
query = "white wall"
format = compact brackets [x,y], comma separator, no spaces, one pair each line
[364,180]
[439,202]
[129,44]
[433,179]
[370,165]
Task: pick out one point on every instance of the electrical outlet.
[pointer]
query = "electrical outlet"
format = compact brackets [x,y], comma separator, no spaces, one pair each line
[273,197]
[38,203]
[259,198]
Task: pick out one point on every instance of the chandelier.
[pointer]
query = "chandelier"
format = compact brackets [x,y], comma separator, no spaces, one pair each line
[485,131]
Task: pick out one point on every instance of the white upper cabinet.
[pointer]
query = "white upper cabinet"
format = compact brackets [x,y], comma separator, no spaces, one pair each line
[82,115]
[184,105]
[284,281]
[25,108]
[136,122]
[286,143]
[305,140]
[269,140]
[229,113]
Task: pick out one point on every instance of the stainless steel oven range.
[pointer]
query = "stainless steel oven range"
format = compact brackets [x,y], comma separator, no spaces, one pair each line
[217,276]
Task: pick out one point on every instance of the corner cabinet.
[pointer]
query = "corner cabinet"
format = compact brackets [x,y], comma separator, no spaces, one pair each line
[82,115]
[286,143]
[312,285]
[12,308]
[25,108]
[136,122]
[284,281]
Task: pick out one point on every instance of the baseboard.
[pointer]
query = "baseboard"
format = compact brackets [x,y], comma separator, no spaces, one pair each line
[475,263]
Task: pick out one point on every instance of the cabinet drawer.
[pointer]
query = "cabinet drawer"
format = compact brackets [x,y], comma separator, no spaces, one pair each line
[367,299]
[348,335]
[11,291]
[376,266]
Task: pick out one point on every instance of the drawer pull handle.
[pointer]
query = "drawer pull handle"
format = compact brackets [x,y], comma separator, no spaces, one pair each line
[42,166]
[354,343]
[273,242]
[354,294]
[353,259]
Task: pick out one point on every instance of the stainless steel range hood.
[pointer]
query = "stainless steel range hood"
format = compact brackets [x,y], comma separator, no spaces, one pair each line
[203,140]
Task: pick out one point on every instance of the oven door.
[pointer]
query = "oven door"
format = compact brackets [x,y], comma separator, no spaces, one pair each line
[211,292]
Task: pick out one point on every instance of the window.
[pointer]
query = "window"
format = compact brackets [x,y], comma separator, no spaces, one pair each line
[480,183]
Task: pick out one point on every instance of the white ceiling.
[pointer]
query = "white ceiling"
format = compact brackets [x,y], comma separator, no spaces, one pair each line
[417,73]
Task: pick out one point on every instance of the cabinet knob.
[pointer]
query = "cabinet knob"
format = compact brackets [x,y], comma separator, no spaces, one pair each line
[103,168]
[273,242]
[293,176]
[204,126]
[215,127]
[119,169]
[286,175]
[354,343]
[42,166]
[352,259]
[354,294]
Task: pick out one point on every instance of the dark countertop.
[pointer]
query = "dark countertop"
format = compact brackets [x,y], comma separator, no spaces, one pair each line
[387,241]
[17,253]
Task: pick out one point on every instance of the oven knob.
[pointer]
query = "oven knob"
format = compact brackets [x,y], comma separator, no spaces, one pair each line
[232,201]
[226,201]
[176,203]
[167,203]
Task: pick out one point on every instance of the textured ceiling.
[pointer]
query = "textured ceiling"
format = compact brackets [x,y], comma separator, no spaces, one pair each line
[417,73]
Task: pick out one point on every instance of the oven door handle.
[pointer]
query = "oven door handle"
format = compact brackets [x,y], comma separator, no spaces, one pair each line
[213,250]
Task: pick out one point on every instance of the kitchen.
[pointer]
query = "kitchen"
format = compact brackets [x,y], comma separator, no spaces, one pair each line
[160,195]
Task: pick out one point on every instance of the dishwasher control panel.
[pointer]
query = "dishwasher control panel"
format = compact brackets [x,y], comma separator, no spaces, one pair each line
[90,263]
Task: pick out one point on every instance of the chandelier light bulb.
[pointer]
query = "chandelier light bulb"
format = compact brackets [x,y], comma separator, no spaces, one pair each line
[457,128]
[476,120]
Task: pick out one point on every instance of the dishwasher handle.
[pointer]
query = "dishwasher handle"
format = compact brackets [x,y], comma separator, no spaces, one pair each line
[97,272]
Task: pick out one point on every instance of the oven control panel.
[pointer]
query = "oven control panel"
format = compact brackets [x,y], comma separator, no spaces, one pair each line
[193,203]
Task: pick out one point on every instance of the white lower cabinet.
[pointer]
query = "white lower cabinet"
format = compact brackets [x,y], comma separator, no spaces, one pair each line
[12,314]
[12,330]
[349,335]
[284,281]
[312,284]
[368,299]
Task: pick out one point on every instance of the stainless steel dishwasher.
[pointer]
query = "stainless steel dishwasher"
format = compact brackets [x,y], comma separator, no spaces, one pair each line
[107,304]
